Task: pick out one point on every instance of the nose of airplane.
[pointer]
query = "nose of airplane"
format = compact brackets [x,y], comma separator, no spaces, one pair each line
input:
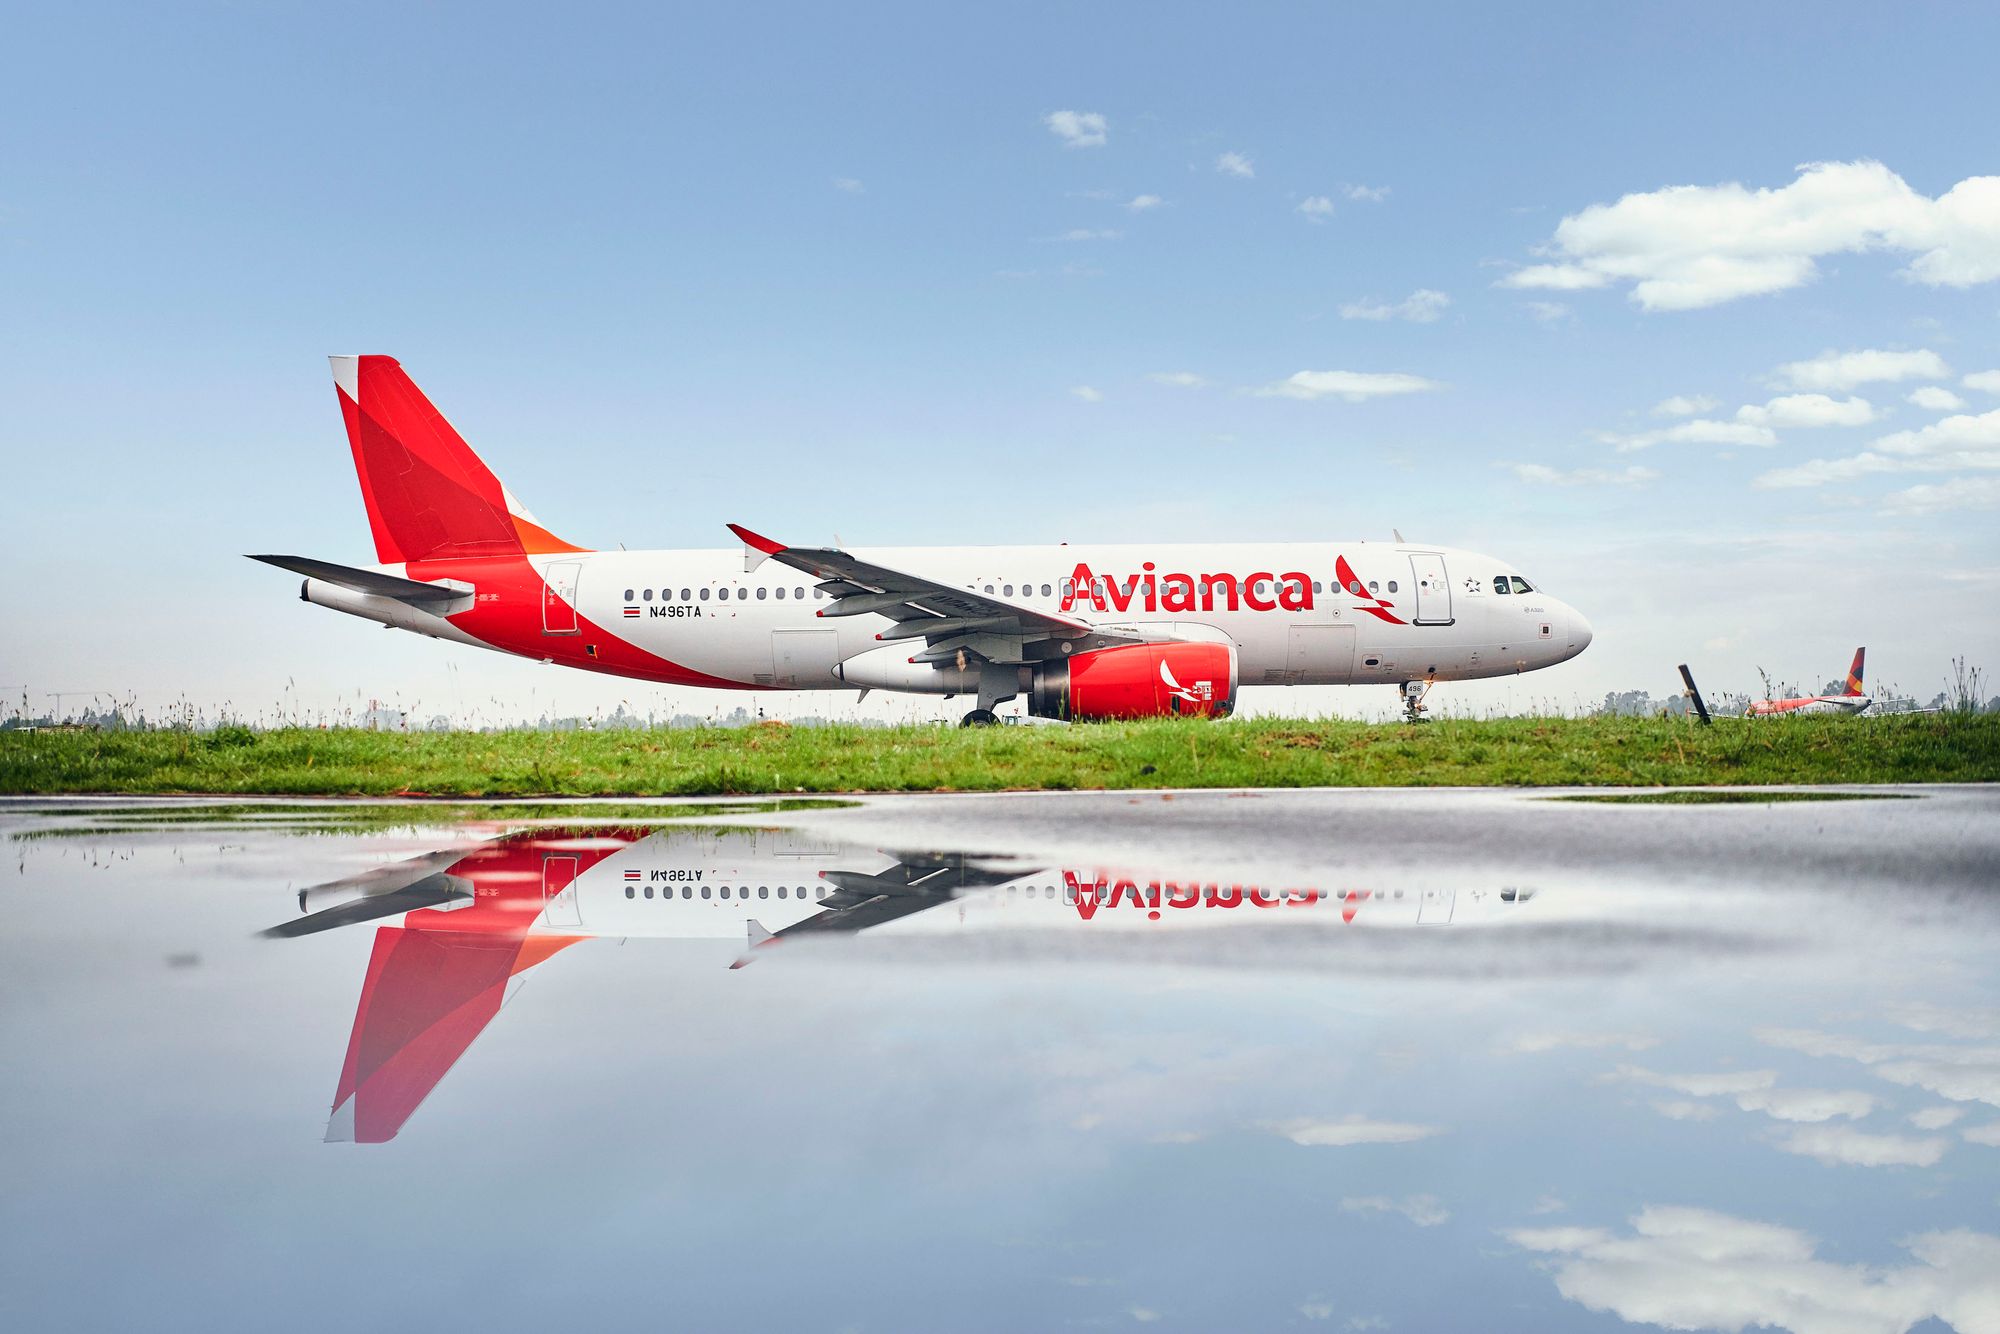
[1579,632]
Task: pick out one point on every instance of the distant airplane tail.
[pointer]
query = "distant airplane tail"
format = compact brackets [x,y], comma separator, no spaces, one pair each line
[428,495]
[1854,673]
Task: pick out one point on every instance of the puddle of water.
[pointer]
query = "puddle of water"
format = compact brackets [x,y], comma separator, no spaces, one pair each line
[1315,1060]
[1726,797]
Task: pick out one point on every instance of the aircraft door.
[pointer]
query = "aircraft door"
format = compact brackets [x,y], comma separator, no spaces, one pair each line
[1433,586]
[559,597]
[560,905]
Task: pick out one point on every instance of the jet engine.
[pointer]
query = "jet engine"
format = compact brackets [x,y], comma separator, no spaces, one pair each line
[1137,681]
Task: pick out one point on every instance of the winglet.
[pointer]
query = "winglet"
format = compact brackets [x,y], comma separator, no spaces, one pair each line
[756,548]
[759,937]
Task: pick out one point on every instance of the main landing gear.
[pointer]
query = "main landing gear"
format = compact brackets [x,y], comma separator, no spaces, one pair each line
[1413,701]
[979,718]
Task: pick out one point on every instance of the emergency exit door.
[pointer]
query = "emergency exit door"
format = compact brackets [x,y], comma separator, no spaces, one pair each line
[1433,587]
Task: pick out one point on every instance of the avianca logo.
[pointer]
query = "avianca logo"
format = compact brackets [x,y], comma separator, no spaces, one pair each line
[1261,590]
[1202,692]
[1101,890]
[1152,591]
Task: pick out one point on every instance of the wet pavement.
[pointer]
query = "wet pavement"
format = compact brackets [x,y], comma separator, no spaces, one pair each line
[1277,1060]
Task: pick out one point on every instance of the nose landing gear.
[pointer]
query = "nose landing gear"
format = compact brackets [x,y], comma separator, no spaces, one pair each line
[1413,701]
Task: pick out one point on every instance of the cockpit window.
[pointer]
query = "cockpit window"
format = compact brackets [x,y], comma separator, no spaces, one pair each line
[1520,584]
[1500,584]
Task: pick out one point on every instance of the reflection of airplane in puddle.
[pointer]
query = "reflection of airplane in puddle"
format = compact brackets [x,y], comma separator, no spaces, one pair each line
[475,919]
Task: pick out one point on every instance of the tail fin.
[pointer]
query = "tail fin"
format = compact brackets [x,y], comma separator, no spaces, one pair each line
[1854,673]
[428,494]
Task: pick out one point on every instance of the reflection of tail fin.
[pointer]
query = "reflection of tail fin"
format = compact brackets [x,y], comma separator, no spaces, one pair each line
[428,994]
[1854,673]
[428,494]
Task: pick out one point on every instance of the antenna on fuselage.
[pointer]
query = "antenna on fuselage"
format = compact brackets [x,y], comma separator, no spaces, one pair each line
[1398,534]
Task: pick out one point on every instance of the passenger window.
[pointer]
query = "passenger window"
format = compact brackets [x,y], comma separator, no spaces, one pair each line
[1373,587]
[781,891]
[704,891]
[649,891]
[704,595]
[781,592]
[687,891]
[1069,588]
[799,593]
[685,595]
[1500,584]
[630,892]
[1392,585]
[646,595]
[1045,591]
[1007,590]
[760,594]
[1354,587]
[989,588]
[628,595]
[822,892]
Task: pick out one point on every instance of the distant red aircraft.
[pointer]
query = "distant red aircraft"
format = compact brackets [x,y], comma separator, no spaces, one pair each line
[1849,701]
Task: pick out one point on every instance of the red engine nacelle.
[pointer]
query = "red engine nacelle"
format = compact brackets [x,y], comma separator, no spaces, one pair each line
[1138,681]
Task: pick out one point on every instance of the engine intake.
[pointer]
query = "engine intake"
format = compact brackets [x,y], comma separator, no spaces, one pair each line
[1137,681]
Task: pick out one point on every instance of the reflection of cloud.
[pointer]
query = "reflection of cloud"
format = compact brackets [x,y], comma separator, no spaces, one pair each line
[1352,1130]
[1423,1210]
[1696,1269]
[1962,1074]
[1858,1148]
[1806,1104]
[1935,1118]
[1696,1086]
[1530,1043]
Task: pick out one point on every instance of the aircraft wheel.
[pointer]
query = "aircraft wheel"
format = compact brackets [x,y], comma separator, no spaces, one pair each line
[979,718]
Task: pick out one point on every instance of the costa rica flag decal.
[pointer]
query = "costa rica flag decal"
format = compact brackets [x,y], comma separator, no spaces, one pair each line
[633,875]
[631,613]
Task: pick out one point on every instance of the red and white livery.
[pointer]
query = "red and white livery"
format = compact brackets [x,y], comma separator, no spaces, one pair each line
[1849,701]
[1078,631]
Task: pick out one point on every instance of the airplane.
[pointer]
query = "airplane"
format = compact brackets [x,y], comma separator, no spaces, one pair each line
[1083,632]
[1849,702]
[475,919]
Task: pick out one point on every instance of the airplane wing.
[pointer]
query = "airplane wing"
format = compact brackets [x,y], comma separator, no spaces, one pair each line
[918,882]
[949,620]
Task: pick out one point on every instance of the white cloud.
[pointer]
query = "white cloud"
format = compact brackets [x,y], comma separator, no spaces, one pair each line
[1680,1109]
[1145,1315]
[848,185]
[1935,1118]
[1935,399]
[1700,431]
[1543,475]
[1806,1104]
[1235,164]
[1530,1043]
[1365,194]
[1945,445]
[1423,1210]
[1952,1020]
[1352,1130]
[1688,246]
[1548,312]
[1957,493]
[1316,1308]
[1087,394]
[1317,208]
[1353,386]
[1140,203]
[1809,410]
[1850,370]
[1695,1086]
[1844,1145]
[1179,379]
[1088,234]
[1986,382]
[1685,405]
[1988,1135]
[1684,1268]
[1421,307]
[1078,129]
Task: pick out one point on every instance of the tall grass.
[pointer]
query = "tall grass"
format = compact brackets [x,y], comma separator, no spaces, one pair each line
[1244,752]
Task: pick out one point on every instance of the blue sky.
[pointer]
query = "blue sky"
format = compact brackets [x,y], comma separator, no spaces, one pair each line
[830,271]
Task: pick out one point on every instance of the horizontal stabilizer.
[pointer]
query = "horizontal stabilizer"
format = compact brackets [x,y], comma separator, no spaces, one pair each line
[372,581]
